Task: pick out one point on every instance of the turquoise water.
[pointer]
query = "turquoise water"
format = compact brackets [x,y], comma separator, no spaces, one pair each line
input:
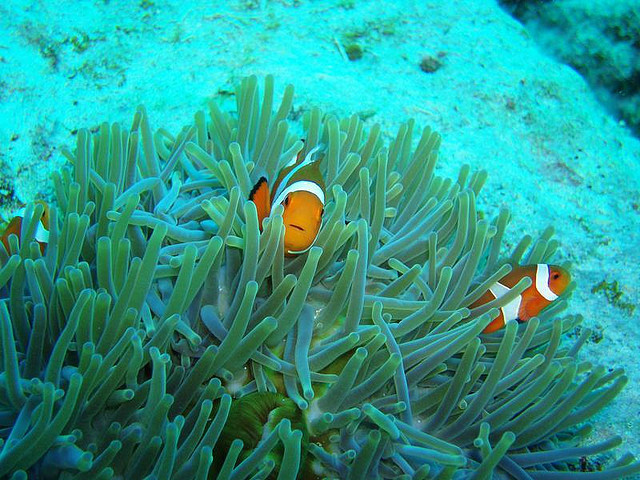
[557,149]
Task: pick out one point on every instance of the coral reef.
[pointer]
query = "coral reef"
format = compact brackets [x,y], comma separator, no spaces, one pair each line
[161,335]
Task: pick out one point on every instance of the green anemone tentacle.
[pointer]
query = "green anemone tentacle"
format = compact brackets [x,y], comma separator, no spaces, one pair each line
[164,334]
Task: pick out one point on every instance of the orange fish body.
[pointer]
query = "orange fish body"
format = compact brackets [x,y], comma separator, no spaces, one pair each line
[300,190]
[547,283]
[15,226]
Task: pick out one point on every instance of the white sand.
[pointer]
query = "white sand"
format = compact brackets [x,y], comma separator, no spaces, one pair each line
[553,154]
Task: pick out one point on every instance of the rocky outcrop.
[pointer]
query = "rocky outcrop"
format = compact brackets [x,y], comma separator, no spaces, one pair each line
[600,39]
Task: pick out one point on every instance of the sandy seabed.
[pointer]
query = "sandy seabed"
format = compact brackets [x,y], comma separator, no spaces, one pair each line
[554,155]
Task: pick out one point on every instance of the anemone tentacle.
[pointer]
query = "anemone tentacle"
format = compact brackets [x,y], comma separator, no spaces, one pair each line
[163,334]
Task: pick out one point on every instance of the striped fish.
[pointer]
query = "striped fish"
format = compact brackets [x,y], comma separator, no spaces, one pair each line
[15,226]
[547,283]
[300,189]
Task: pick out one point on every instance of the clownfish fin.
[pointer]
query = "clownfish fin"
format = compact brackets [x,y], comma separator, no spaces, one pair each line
[299,161]
[309,157]
[297,158]
[261,197]
[260,185]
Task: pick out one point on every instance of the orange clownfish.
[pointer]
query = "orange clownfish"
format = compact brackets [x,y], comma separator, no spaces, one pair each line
[300,190]
[15,226]
[547,283]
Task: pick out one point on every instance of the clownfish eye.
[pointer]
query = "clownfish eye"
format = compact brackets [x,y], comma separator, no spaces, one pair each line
[556,276]
[286,201]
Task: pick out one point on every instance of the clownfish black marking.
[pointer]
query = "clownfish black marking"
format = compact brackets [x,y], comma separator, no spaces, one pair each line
[300,189]
[547,283]
[41,234]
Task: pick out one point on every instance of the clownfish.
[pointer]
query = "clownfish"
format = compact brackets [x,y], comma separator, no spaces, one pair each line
[547,283]
[300,189]
[15,226]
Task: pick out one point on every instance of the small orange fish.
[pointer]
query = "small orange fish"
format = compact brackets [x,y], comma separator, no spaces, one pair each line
[547,283]
[300,189]
[15,226]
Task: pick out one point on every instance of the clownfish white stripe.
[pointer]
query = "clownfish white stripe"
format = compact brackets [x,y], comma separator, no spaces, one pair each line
[510,311]
[293,160]
[542,282]
[304,163]
[41,234]
[302,185]
[307,159]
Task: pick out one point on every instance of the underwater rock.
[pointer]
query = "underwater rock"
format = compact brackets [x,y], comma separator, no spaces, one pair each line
[600,39]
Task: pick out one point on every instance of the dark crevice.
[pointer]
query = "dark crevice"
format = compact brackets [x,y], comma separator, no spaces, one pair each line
[600,43]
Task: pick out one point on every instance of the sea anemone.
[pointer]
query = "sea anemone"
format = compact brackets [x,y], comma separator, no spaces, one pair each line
[163,335]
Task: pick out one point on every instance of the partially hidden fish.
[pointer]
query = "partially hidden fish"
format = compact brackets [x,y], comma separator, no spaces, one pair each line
[15,227]
[548,282]
[300,189]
